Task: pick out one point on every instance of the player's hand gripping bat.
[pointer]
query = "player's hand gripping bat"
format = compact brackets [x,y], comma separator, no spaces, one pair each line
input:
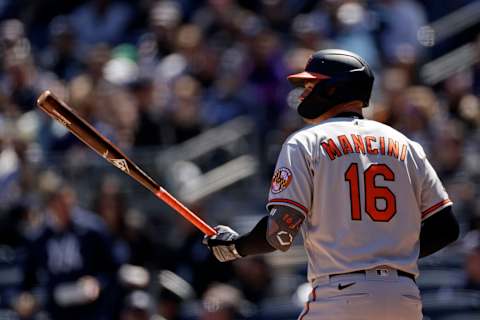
[59,111]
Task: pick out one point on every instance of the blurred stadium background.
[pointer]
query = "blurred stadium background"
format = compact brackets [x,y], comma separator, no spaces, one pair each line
[195,92]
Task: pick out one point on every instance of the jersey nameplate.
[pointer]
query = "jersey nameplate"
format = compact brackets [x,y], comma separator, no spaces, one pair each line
[364,144]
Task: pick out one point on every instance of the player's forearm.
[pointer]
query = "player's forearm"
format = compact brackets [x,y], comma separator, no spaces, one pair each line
[438,231]
[255,241]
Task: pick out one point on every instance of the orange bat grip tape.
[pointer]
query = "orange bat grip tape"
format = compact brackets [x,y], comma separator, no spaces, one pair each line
[185,212]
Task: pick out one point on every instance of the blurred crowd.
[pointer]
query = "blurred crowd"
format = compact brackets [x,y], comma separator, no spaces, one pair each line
[151,74]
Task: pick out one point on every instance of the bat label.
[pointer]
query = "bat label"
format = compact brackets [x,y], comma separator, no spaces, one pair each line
[120,164]
[61,118]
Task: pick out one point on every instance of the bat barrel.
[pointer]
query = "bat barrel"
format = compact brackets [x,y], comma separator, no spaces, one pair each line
[84,131]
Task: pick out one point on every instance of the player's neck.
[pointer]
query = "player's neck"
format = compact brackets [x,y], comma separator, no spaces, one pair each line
[349,107]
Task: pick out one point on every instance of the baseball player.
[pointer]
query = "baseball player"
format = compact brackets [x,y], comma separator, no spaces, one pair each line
[365,198]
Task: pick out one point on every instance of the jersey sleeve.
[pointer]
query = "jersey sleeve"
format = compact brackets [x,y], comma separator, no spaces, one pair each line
[433,196]
[292,181]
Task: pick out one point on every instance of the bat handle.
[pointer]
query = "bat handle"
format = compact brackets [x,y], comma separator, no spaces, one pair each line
[185,212]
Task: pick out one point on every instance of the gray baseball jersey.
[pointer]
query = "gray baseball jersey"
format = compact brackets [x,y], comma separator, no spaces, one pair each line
[364,189]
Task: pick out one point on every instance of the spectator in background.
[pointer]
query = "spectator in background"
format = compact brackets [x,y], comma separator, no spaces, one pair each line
[13,236]
[121,114]
[221,21]
[460,100]
[16,173]
[151,130]
[173,291]
[20,78]
[138,306]
[10,169]
[229,96]
[99,21]
[476,69]
[195,264]
[111,205]
[472,267]
[352,31]
[253,277]
[87,90]
[266,75]
[72,252]
[131,230]
[400,21]
[415,110]
[450,164]
[202,61]
[165,18]
[185,113]
[310,30]
[96,58]
[222,302]
[61,55]
[9,8]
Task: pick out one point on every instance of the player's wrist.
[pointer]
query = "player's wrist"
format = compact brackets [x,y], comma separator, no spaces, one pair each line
[237,247]
[254,242]
[235,251]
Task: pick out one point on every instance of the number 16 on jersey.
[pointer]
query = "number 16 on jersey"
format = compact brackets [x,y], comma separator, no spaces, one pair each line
[373,193]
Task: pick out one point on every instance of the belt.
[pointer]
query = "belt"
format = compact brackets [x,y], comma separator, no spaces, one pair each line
[399,272]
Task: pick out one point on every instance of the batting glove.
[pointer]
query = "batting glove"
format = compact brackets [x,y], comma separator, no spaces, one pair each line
[222,244]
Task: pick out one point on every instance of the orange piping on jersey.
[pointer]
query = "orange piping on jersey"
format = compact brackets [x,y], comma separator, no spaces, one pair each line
[382,145]
[346,146]
[403,154]
[331,148]
[296,204]
[392,148]
[435,207]
[358,142]
[307,305]
[368,142]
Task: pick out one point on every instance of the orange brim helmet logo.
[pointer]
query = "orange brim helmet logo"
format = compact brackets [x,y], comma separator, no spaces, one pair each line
[281,180]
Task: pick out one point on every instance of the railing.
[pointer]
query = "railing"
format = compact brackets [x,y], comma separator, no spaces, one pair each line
[447,65]
[181,164]
[444,28]
[456,22]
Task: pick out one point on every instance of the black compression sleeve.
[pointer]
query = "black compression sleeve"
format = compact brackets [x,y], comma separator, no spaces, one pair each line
[438,231]
[254,242]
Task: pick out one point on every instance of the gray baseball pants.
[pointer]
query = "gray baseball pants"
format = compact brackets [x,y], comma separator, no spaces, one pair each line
[377,294]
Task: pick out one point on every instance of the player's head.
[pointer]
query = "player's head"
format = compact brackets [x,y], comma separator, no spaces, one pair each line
[332,77]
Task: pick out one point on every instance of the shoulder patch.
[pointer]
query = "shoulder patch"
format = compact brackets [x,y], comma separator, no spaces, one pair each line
[281,180]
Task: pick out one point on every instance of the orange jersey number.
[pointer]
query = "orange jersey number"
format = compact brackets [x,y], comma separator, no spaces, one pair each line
[373,193]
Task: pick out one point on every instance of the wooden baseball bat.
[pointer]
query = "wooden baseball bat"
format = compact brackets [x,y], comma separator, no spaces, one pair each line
[59,111]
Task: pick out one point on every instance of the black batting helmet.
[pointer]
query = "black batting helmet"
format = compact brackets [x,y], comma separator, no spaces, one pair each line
[343,76]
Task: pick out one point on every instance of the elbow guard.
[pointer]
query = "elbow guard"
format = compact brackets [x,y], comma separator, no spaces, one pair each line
[283,226]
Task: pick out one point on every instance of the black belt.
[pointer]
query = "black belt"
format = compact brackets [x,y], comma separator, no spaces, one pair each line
[399,272]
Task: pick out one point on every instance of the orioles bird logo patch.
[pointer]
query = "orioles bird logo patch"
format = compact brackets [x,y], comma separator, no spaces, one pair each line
[281,180]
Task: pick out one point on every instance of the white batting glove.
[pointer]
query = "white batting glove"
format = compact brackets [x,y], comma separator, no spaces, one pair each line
[222,244]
